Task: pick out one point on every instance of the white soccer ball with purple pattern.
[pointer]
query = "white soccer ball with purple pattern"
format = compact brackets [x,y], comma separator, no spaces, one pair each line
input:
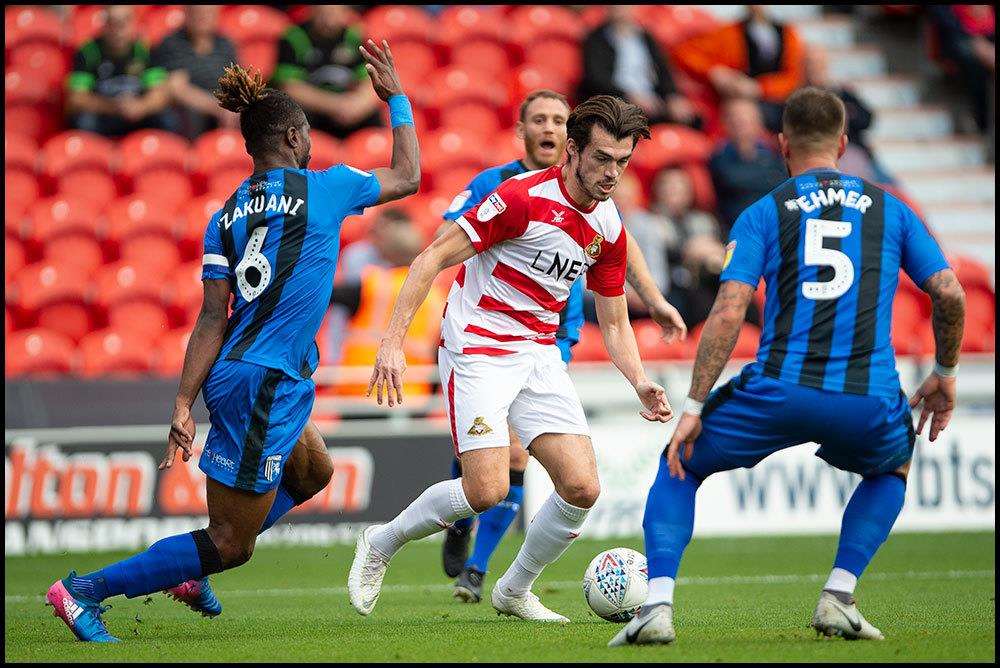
[616,583]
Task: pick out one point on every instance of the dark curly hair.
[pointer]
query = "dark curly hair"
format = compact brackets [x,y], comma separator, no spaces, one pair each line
[619,118]
[265,113]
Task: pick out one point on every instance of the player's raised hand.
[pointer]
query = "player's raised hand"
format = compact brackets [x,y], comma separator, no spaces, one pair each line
[688,430]
[181,436]
[670,321]
[937,395]
[654,399]
[390,363]
[381,68]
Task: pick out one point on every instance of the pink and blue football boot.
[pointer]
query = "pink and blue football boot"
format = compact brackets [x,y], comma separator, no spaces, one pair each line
[81,615]
[197,595]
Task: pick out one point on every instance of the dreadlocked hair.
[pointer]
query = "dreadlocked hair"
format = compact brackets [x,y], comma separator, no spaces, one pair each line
[265,113]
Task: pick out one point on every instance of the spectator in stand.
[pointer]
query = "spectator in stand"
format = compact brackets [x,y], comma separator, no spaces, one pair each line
[320,67]
[194,58]
[859,159]
[755,58]
[745,167]
[967,39]
[114,88]
[621,58]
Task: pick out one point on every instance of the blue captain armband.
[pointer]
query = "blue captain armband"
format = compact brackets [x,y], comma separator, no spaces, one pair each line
[400,111]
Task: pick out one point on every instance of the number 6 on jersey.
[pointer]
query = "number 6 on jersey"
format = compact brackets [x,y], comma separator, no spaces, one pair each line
[253,258]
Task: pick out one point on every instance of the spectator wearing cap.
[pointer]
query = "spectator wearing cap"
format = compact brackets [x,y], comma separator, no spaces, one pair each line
[320,67]
[114,88]
[745,167]
[194,58]
[621,58]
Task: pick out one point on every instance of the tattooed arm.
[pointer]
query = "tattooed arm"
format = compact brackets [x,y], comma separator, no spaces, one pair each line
[718,338]
[937,393]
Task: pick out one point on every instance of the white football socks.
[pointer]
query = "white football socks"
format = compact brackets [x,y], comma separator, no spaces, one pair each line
[661,590]
[841,580]
[434,510]
[552,530]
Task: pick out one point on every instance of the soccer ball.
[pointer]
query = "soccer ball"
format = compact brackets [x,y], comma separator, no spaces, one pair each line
[616,583]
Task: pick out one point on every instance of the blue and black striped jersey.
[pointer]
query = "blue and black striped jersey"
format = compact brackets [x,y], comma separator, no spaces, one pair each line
[276,241]
[829,247]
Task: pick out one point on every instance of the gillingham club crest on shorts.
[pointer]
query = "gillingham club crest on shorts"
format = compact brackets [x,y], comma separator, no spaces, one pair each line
[593,249]
[272,467]
[479,427]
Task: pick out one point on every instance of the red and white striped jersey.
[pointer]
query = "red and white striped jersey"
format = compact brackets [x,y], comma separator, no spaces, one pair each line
[531,244]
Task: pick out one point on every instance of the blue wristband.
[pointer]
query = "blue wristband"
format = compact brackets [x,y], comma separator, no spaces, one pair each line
[400,111]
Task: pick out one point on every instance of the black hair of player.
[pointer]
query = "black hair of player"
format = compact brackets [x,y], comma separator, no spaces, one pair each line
[813,117]
[617,117]
[266,114]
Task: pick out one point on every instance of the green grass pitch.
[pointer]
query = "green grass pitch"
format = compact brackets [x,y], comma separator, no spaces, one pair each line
[739,599]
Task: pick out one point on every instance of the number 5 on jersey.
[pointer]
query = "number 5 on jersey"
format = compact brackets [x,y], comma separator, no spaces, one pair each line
[816,255]
[254,259]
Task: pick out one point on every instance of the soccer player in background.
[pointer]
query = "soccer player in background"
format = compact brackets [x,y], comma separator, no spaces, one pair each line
[273,247]
[542,126]
[830,247]
[521,250]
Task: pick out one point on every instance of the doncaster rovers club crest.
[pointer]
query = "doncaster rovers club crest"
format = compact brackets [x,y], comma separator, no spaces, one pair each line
[593,249]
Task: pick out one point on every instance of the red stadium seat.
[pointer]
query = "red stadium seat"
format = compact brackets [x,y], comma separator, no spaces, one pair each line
[242,23]
[590,348]
[452,181]
[43,61]
[225,181]
[45,283]
[37,121]
[460,23]
[447,149]
[148,149]
[649,337]
[483,54]
[160,22]
[414,62]
[76,149]
[73,320]
[58,215]
[13,256]
[20,151]
[126,281]
[80,252]
[970,272]
[980,307]
[38,351]
[452,85]
[396,23]
[368,148]
[138,214]
[27,24]
[85,23]
[193,220]
[325,150]
[260,54]
[506,146]
[670,145]
[560,56]
[691,20]
[906,311]
[170,351]
[183,292]
[143,318]
[88,184]
[426,212]
[220,149]
[168,186]
[918,340]
[20,192]
[474,117]
[20,88]
[532,76]
[531,24]
[112,352]
[155,251]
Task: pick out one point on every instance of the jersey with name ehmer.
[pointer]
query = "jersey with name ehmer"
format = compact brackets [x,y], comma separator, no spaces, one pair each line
[531,245]
[276,241]
[830,247]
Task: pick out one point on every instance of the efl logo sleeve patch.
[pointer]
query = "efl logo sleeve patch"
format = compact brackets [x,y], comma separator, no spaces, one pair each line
[491,208]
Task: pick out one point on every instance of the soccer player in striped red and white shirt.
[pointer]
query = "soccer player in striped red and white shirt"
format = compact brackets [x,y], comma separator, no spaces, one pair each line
[522,248]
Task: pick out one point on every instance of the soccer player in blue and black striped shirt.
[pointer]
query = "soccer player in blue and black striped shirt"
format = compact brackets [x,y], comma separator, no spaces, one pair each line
[273,248]
[829,247]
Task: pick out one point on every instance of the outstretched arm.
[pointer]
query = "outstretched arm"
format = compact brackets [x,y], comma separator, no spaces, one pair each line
[202,350]
[619,340]
[402,178]
[718,338]
[937,393]
[660,310]
[449,249]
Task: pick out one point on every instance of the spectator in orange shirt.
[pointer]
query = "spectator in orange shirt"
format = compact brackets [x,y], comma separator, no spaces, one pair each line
[755,58]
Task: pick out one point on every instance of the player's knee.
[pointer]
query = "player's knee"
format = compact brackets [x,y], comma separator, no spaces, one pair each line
[581,493]
[320,472]
[234,550]
[487,494]
[518,459]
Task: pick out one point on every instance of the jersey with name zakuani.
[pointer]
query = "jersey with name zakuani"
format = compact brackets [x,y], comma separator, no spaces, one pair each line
[532,244]
[276,241]
[829,247]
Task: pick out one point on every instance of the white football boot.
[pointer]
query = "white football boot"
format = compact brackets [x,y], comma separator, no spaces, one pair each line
[364,582]
[834,618]
[526,607]
[655,627]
